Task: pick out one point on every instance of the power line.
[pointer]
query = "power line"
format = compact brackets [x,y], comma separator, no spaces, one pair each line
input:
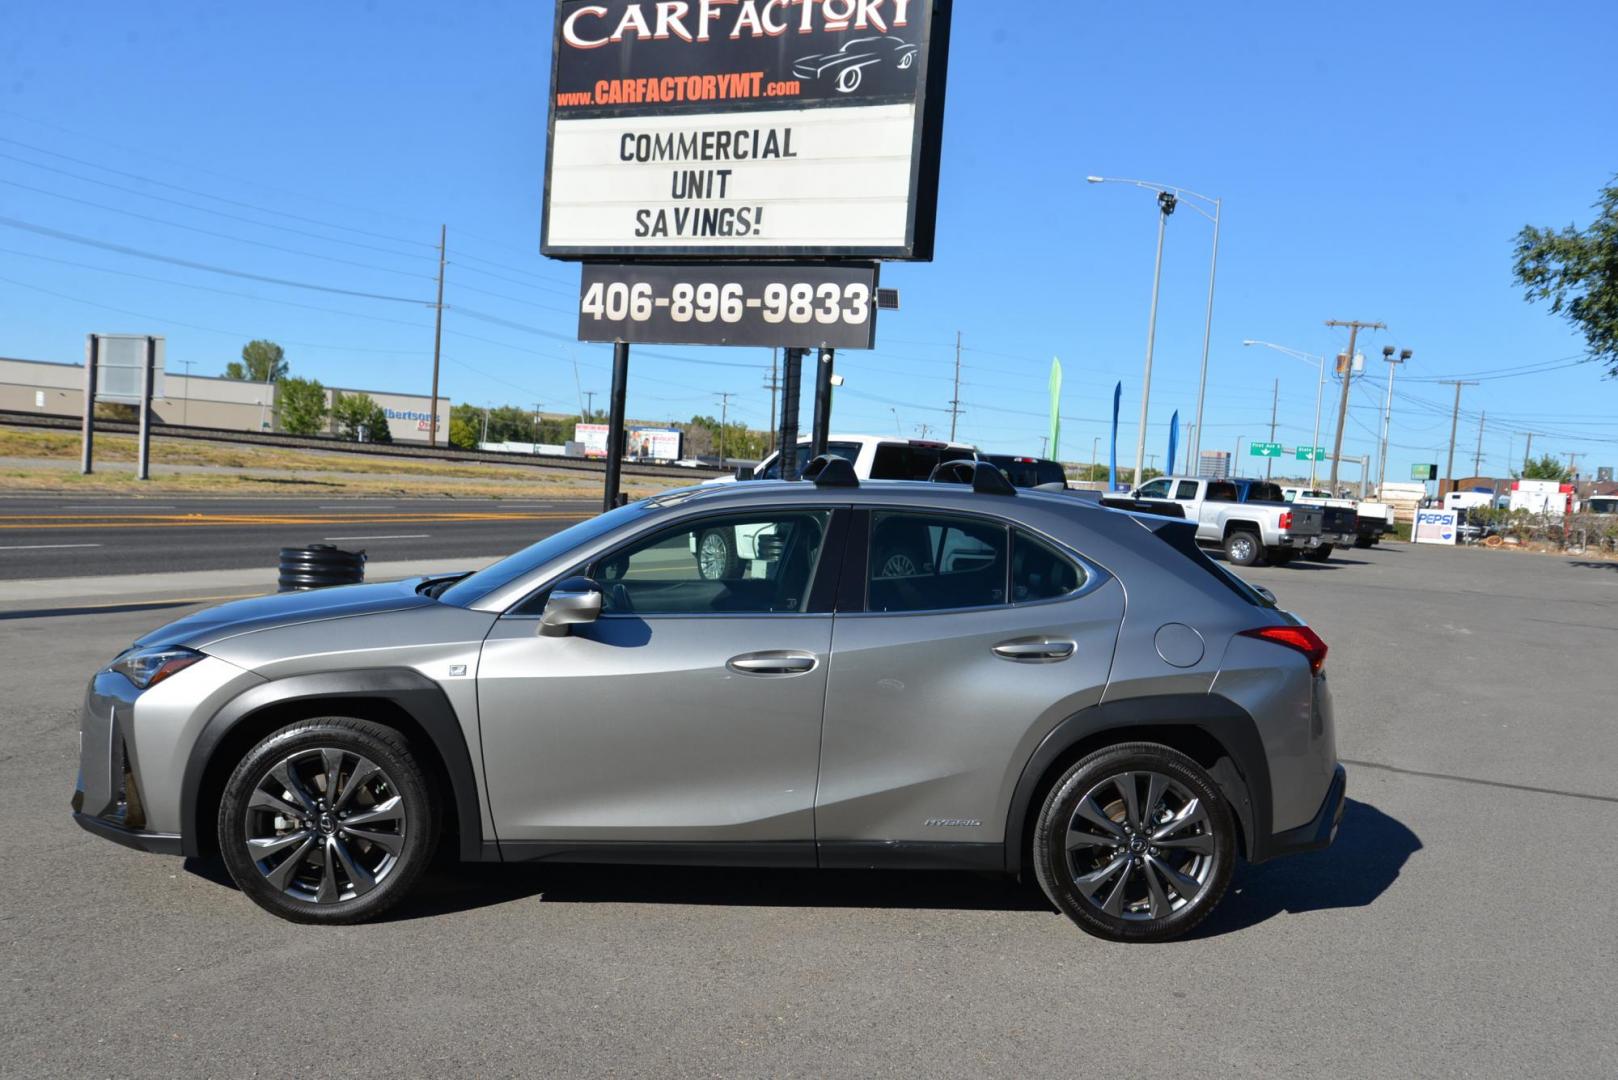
[121,249]
[209,232]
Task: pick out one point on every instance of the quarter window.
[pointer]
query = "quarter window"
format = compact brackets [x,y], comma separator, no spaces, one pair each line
[758,564]
[1040,572]
[924,562]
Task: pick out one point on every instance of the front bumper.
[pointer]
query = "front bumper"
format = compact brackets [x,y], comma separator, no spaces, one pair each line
[1317,833]
[156,843]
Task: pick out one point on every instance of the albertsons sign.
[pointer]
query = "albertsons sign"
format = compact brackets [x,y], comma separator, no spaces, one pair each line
[745,128]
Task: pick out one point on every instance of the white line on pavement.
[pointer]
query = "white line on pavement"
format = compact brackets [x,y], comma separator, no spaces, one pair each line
[407,536]
[41,547]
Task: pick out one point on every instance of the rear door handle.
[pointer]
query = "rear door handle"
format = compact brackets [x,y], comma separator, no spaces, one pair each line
[773,665]
[1035,652]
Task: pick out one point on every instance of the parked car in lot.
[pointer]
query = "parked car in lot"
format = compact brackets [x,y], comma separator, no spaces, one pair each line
[1340,526]
[1263,527]
[918,675]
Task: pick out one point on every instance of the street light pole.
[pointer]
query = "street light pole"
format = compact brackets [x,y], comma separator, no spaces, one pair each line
[1387,412]
[1195,443]
[1165,202]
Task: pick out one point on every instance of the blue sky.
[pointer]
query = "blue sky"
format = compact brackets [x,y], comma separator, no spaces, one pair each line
[1374,160]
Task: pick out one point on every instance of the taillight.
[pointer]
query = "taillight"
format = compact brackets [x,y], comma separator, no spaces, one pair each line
[1301,638]
[1286,520]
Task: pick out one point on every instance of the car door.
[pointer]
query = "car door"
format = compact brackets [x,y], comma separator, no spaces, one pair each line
[690,711]
[969,640]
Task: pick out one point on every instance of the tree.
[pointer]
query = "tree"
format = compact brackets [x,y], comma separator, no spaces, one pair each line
[262,361]
[1548,467]
[361,419]
[301,404]
[1577,271]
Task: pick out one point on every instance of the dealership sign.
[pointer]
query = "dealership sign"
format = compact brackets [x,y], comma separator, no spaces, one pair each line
[1435,526]
[745,128]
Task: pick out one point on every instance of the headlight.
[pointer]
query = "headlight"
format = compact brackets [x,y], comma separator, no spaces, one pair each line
[148,667]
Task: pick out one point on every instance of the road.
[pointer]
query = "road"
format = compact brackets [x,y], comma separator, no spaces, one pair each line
[76,536]
[1462,926]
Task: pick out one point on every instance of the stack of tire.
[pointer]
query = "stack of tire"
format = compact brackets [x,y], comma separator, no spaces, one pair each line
[320,566]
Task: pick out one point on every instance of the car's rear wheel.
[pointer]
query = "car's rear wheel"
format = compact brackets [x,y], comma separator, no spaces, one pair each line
[1135,843]
[329,820]
[1319,554]
[1243,548]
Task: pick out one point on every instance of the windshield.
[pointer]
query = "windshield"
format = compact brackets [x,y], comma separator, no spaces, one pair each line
[469,590]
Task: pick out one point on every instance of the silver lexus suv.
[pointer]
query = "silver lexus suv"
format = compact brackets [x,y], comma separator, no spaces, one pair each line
[895,675]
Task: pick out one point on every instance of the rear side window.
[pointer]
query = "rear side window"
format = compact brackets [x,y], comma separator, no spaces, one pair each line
[1186,490]
[928,562]
[901,461]
[1221,492]
[1040,572]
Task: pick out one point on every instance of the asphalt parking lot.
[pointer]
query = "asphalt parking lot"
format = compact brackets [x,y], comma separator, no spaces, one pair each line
[1463,925]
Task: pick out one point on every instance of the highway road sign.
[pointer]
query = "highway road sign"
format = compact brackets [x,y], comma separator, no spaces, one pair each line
[1266,449]
[1311,453]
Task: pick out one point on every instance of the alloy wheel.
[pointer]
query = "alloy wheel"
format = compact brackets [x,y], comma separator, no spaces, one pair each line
[325,825]
[1140,846]
[713,556]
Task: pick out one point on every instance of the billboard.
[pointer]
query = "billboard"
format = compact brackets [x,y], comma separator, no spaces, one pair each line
[655,444]
[1435,526]
[593,437]
[745,128]
[120,366]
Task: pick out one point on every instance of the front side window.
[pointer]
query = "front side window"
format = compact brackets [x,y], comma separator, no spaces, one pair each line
[1157,489]
[928,562]
[760,563]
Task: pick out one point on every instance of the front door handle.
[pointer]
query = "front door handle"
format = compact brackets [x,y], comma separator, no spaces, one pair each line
[773,665]
[1035,652]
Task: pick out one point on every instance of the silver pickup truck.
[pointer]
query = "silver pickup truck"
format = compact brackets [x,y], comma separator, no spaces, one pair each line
[1263,527]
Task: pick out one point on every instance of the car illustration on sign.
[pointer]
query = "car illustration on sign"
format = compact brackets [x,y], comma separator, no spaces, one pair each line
[847,64]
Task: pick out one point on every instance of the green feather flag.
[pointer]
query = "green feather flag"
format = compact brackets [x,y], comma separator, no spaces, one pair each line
[1055,450]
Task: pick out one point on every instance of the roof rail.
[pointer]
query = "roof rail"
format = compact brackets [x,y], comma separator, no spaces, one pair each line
[984,476]
[829,470]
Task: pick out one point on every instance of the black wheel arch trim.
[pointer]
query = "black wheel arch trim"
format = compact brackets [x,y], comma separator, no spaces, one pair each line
[1245,781]
[410,691]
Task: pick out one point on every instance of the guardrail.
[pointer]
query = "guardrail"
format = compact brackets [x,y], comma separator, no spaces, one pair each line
[59,422]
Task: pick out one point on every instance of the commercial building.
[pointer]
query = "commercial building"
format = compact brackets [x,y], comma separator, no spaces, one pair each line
[50,388]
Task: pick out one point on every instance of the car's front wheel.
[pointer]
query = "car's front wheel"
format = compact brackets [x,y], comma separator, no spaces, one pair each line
[329,820]
[1135,843]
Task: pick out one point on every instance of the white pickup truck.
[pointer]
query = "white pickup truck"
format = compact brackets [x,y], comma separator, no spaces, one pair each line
[1263,527]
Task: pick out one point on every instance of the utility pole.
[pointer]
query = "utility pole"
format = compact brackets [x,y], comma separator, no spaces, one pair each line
[1095,458]
[590,408]
[537,405]
[1044,444]
[774,388]
[1454,421]
[724,417]
[487,405]
[1275,402]
[955,402]
[1528,452]
[1477,459]
[923,430]
[438,336]
[1354,328]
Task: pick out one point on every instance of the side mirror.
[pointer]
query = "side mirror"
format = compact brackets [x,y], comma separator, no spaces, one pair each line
[574,602]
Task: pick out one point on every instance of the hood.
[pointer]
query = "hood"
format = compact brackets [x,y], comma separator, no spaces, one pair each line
[287,609]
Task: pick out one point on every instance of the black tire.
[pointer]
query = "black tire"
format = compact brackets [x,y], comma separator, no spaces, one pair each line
[718,564]
[1244,548]
[1364,541]
[412,827]
[1319,554]
[1058,869]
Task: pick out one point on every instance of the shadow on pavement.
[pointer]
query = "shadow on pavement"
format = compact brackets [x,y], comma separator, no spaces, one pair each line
[1586,565]
[1370,851]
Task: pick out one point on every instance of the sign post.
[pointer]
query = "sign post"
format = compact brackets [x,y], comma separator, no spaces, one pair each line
[615,425]
[821,433]
[92,356]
